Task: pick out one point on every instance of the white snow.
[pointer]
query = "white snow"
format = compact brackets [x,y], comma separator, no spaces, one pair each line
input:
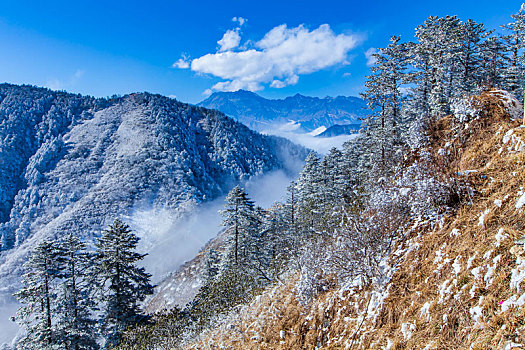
[521,201]
[498,203]
[454,232]
[407,329]
[425,310]
[476,312]
[456,265]
[481,221]
[476,272]
[500,236]
[517,274]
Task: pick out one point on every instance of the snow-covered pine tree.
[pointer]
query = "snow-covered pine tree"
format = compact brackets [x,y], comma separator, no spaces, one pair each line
[515,42]
[241,222]
[75,303]
[309,189]
[122,284]
[384,97]
[211,266]
[38,296]
[494,62]
[434,57]
[470,55]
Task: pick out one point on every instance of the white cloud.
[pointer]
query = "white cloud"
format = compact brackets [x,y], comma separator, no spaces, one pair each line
[370,58]
[277,60]
[240,20]
[230,40]
[182,63]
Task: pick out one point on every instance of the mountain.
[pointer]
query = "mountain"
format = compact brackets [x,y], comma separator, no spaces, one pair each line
[72,163]
[337,130]
[311,113]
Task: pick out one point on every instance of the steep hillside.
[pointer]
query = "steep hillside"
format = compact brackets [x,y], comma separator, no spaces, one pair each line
[70,163]
[310,112]
[454,281]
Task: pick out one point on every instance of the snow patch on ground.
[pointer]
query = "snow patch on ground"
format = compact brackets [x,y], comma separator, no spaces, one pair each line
[481,221]
[407,329]
[521,202]
[500,236]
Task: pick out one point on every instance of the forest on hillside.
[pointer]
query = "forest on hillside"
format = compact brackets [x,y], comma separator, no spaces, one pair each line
[340,219]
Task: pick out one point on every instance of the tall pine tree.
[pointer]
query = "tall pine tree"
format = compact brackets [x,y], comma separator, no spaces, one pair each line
[38,297]
[122,284]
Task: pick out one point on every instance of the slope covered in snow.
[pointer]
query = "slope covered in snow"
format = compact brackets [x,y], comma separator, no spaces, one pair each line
[70,163]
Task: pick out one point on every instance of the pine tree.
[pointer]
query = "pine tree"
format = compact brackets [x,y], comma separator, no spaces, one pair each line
[39,298]
[122,284]
[75,299]
[385,100]
[470,55]
[494,62]
[241,224]
[515,41]
[309,184]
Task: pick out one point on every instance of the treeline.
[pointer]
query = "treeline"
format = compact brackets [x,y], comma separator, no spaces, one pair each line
[76,299]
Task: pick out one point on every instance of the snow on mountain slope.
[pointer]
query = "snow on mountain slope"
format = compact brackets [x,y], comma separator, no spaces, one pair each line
[70,163]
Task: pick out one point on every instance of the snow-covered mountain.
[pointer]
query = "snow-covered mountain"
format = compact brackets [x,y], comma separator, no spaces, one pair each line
[71,163]
[310,112]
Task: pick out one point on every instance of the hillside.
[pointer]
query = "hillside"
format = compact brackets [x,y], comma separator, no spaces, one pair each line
[310,112]
[71,163]
[451,281]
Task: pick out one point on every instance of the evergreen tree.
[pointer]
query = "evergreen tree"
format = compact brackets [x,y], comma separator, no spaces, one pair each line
[494,62]
[38,297]
[515,41]
[75,299]
[241,224]
[470,56]
[122,284]
[309,184]
[385,100]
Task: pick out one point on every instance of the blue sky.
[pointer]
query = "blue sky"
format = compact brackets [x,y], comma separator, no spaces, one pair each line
[103,48]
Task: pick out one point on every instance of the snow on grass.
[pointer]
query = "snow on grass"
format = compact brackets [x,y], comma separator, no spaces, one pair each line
[511,345]
[425,310]
[407,329]
[513,301]
[454,232]
[517,274]
[521,201]
[498,203]
[471,259]
[481,221]
[500,236]
[456,265]
[476,272]
[476,312]
[489,275]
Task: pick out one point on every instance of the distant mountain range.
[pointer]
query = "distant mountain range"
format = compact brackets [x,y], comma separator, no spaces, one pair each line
[70,163]
[306,113]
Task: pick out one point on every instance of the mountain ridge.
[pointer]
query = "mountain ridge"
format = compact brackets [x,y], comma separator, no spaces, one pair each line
[72,163]
[260,113]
